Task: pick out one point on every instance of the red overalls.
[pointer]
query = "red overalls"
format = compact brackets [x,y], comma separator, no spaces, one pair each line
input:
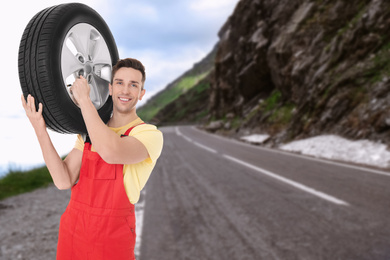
[99,222]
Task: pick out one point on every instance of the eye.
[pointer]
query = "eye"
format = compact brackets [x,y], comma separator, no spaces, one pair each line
[134,85]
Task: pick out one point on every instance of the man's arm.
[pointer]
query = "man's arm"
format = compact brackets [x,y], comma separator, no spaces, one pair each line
[110,146]
[64,173]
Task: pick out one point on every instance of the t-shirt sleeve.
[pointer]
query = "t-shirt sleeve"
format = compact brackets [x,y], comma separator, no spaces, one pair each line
[151,138]
[79,145]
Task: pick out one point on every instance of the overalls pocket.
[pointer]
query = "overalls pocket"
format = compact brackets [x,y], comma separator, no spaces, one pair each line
[98,169]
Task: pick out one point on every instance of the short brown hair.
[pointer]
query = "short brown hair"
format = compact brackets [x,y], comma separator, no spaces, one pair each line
[129,63]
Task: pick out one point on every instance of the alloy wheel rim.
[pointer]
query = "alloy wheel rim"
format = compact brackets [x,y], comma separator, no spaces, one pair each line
[85,52]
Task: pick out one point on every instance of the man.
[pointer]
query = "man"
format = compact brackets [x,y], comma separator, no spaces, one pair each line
[110,167]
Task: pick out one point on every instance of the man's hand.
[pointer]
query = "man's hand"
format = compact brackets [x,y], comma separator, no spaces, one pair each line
[80,90]
[35,117]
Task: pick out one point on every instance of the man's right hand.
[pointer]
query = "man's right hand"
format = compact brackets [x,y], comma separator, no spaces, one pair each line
[35,117]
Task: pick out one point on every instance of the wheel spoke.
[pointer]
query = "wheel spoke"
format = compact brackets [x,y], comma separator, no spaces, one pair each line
[98,50]
[99,91]
[103,71]
[94,94]
[69,63]
[79,37]
[93,43]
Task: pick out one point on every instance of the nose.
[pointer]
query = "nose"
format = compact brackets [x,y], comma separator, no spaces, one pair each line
[126,89]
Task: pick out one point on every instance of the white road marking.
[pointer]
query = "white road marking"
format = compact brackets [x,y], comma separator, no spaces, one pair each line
[205,147]
[139,216]
[270,174]
[290,182]
[177,131]
[180,134]
[195,143]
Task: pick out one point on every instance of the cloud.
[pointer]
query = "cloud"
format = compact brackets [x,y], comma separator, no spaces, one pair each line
[207,6]
[169,25]
[143,10]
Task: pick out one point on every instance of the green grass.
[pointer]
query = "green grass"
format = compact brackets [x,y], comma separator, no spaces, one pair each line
[272,100]
[283,114]
[17,182]
[189,106]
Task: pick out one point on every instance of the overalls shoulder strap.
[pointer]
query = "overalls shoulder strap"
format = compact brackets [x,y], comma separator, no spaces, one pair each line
[129,130]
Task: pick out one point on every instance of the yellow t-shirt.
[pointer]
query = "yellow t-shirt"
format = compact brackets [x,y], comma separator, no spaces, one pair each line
[136,175]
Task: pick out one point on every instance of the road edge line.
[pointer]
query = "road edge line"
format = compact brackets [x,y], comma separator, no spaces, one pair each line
[345,164]
[290,182]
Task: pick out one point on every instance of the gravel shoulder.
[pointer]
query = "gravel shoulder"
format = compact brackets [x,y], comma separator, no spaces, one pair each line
[29,224]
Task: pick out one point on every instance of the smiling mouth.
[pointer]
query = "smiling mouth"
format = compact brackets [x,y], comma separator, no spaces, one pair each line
[124,99]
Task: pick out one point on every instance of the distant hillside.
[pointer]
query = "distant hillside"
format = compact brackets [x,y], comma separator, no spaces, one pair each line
[182,86]
[190,107]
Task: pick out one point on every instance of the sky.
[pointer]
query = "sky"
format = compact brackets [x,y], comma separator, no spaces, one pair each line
[168,37]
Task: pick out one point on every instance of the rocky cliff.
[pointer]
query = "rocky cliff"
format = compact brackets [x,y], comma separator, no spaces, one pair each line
[299,68]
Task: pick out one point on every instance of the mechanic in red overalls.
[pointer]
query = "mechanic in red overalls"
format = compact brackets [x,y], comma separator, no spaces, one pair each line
[116,161]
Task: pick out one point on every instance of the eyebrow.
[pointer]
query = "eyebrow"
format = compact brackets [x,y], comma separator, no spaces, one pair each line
[132,81]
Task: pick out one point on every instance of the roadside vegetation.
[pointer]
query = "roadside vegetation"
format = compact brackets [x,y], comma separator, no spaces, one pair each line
[184,84]
[18,182]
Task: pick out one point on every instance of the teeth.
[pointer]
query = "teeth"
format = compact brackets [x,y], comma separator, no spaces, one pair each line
[124,99]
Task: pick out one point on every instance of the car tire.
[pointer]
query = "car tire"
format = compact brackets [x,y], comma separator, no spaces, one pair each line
[59,44]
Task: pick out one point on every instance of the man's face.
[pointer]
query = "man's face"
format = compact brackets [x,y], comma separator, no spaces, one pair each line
[126,89]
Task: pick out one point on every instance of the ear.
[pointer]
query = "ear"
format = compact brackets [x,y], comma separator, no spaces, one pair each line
[110,88]
[141,94]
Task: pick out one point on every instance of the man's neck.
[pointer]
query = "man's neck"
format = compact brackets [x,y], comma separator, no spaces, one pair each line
[121,119]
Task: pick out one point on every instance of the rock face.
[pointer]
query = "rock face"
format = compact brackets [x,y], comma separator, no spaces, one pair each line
[296,68]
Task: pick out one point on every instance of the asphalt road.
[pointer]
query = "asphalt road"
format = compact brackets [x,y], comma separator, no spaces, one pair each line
[214,198]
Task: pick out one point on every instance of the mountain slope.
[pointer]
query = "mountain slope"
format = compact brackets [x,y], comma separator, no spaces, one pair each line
[151,111]
[190,107]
